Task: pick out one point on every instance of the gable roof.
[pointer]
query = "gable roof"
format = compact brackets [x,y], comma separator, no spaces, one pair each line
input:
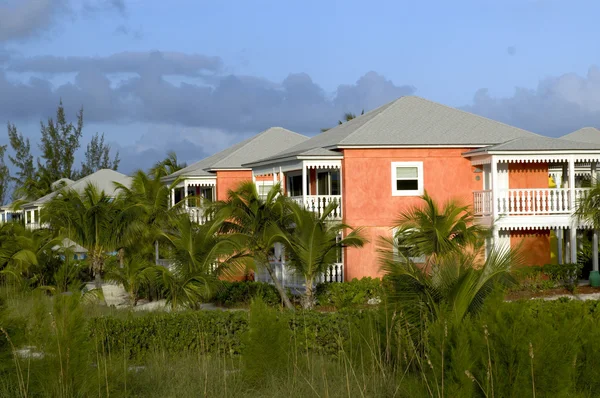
[103,179]
[264,144]
[411,121]
[586,134]
[539,143]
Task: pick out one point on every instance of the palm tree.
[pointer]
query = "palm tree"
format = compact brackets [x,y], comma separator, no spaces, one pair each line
[89,219]
[435,231]
[167,166]
[201,254]
[146,212]
[22,250]
[588,209]
[313,244]
[347,117]
[134,273]
[457,283]
[259,221]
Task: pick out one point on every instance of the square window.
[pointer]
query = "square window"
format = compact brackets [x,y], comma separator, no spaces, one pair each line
[407,178]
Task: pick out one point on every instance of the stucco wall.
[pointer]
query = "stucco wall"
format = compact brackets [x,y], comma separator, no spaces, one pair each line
[534,246]
[227,180]
[527,175]
[367,193]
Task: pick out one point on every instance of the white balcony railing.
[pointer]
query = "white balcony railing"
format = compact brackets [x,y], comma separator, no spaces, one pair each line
[288,278]
[318,203]
[531,201]
[197,215]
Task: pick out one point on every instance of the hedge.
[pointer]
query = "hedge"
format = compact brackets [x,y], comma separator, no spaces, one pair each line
[218,332]
[232,294]
[349,294]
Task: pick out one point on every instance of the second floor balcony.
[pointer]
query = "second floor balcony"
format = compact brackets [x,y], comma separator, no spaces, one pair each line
[531,201]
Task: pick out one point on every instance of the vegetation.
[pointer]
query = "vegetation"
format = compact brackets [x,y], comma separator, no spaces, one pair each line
[354,293]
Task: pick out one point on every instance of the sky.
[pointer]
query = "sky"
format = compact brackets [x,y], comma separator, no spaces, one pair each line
[196,76]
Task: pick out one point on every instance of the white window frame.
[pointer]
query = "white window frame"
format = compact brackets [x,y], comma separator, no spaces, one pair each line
[264,183]
[416,260]
[414,192]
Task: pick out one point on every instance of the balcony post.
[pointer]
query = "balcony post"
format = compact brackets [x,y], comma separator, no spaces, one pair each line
[304,184]
[185,194]
[571,183]
[172,197]
[494,175]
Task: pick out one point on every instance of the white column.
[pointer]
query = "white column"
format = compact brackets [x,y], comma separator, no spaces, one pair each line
[172,197]
[274,177]
[572,183]
[253,177]
[340,211]
[594,172]
[494,175]
[595,251]
[573,244]
[185,194]
[304,184]
[559,244]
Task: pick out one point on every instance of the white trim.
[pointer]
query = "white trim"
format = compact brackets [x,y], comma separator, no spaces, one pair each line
[408,146]
[232,169]
[292,158]
[417,192]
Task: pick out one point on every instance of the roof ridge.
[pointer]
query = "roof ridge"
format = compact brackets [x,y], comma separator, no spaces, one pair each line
[247,141]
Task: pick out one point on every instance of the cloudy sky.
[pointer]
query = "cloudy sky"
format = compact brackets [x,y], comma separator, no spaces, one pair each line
[196,76]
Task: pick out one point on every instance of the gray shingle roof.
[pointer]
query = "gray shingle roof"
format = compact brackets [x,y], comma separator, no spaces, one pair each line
[103,179]
[586,134]
[264,144]
[538,143]
[411,121]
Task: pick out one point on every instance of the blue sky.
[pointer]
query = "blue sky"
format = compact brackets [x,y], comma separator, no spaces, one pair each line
[196,76]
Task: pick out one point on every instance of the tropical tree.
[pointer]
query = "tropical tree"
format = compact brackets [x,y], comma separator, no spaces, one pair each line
[259,221]
[314,244]
[167,166]
[23,251]
[433,230]
[132,274]
[347,117]
[200,255]
[456,284]
[88,218]
[588,209]
[146,213]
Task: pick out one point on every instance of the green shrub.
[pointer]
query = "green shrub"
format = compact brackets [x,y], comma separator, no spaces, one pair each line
[348,294]
[231,294]
[218,332]
[564,274]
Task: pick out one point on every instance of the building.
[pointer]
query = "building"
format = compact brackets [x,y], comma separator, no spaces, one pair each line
[378,164]
[103,179]
[212,177]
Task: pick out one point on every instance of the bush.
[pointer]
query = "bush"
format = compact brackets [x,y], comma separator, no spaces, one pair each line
[231,294]
[548,276]
[348,294]
[218,332]
[564,274]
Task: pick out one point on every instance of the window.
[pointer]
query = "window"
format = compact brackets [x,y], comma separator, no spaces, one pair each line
[263,188]
[328,183]
[403,251]
[294,185]
[407,178]
[206,193]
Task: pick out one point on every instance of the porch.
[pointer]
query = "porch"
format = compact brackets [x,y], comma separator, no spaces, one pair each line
[190,195]
[313,184]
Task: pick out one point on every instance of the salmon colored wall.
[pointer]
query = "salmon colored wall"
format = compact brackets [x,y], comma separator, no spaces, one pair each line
[227,180]
[527,175]
[534,246]
[367,193]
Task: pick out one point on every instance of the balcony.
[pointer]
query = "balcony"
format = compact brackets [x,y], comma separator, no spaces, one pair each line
[318,203]
[531,202]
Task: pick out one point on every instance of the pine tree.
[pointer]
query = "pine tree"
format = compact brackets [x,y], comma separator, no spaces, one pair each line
[4,175]
[22,160]
[97,156]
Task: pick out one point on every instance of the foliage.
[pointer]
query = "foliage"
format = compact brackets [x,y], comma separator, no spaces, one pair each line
[133,275]
[548,276]
[232,294]
[88,218]
[433,230]
[4,174]
[266,343]
[347,117]
[259,222]
[22,161]
[348,294]
[564,274]
[588,208]
[97,156]
[167,166]
[314,243]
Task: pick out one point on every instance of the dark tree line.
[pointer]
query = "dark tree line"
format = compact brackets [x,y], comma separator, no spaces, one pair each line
[60,140]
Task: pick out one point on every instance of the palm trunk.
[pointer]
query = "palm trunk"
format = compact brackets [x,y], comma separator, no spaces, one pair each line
[156,256]
[308,301]
[282,293]
[97,268]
